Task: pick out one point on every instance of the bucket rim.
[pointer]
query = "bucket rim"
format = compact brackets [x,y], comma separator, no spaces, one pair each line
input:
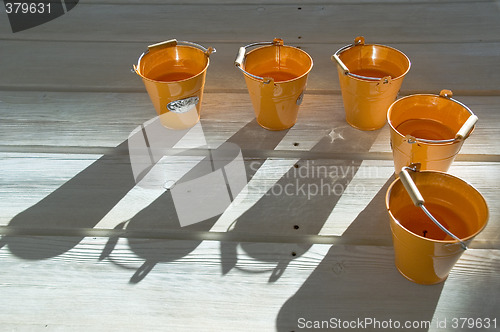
[349,46]
[138,72]
[449,141]
[467,238]
[286,46]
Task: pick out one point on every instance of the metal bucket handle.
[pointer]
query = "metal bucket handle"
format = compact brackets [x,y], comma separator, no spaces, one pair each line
[240,58]
[418,200]
[173,43]
[461,134]
[357,41]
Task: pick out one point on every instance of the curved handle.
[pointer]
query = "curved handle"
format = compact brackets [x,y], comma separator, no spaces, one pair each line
[163,44]
[418,200]
[357,41]
[175,42]
[171,43]
[462,133]
[469,124]
[240,58]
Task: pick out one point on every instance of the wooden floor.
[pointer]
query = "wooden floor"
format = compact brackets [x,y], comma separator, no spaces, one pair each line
[83,248]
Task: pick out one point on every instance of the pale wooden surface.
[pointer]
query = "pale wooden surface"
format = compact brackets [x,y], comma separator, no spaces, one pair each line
[84,248]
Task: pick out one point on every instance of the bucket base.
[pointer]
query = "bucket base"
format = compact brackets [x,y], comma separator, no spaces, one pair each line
[421,283]
[275,129]
[365,129]
[174,121]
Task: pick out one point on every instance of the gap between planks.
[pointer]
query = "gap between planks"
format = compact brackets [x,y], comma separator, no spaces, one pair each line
[317,92]
[248,154]
[213,236]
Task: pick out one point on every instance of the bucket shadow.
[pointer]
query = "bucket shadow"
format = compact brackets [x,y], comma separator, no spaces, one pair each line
[161,215]
[354,282]
[294,207]
[81,202]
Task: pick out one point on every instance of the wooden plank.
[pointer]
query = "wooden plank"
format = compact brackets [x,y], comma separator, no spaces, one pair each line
[103,119]
[317,197]
[112,252]
[54,119]
[362,205]
[359,204]
[330,294]
[29,182]
[186,286]
[314,23]
[71,119]
[105,67]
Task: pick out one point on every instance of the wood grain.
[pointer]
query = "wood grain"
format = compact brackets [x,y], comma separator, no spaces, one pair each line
[106,67]
[187,281]
[319,22]
[83,247]
[324,197]
[67,122]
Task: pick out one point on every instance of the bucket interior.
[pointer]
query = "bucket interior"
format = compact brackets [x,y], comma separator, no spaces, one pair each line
[172,64]
[282,63]
[427,116]
[453,202]
[375,61]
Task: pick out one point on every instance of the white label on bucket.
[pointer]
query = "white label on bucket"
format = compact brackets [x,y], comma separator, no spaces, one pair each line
[183,105]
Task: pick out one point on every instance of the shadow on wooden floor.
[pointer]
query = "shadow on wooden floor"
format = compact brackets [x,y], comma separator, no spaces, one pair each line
[81,202]
[298,204]
[86,198]
[162,215]
[357,282]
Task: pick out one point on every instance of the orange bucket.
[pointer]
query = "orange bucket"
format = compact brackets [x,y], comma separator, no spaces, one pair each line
[174,75]
[429,130]
[276,77]
[370,78]
[428,242]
